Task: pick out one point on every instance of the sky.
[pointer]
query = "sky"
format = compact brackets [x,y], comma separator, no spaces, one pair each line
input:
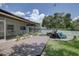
[37,11]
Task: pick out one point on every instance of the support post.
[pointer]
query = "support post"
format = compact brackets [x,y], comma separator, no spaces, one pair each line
[5,29]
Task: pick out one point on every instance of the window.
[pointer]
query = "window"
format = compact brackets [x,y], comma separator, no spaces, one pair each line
[22,28]
[10,28]
[1,26]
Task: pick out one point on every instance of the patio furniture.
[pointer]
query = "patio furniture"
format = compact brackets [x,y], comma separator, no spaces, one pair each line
[62,35]
[58,35]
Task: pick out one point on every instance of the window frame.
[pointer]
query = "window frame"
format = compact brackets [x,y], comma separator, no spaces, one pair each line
[22,27]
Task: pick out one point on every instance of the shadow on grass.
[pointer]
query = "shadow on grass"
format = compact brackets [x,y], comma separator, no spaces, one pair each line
[25,49]
[59,52]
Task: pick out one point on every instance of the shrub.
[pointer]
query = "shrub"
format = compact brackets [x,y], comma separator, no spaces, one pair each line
[75,37]
[17,38]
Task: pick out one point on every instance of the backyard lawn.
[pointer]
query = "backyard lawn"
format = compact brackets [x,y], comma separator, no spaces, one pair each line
[62,48]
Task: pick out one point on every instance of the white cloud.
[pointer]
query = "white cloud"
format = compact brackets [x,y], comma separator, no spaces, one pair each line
[35,11]
[41,17]
[36,16]
[27,18]
[19,13]
[28,12]
[76,18]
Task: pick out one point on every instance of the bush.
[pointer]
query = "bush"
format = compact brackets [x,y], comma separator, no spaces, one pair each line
[75,37]
[17,38]
[49,34]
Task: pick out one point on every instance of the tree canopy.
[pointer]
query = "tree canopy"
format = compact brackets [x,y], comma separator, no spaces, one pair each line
[58,21]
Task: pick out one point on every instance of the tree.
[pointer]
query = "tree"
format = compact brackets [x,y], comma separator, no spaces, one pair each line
[67,20]
[76,24]
[47,22]
[58,21]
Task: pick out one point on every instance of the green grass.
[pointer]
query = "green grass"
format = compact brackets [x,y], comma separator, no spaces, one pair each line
[62,48]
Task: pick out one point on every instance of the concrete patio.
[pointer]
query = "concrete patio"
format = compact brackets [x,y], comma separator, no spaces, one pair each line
[31,46]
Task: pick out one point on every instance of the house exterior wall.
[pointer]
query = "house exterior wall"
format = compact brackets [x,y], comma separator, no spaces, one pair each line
[1,26]
[33,29]
[16,23]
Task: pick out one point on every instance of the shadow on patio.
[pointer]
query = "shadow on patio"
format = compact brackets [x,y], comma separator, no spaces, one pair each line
[28,49]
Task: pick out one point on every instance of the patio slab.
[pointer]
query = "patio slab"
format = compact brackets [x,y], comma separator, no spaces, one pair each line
[30,46]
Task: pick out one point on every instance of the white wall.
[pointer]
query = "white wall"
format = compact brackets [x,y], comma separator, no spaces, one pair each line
[17,25]
[69,34]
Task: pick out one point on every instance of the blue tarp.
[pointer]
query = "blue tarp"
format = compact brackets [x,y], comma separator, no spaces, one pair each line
[61,35]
